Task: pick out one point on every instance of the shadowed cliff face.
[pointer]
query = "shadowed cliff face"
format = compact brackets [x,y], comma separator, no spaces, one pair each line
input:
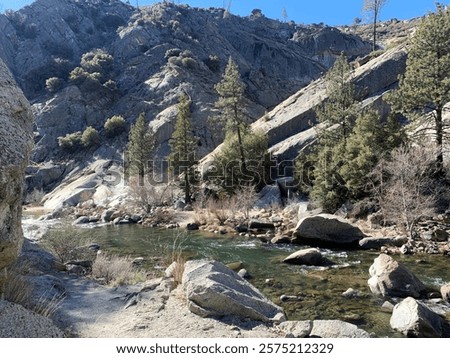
[15,148]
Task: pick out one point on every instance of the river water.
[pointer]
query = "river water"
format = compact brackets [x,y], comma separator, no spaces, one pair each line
[319,290]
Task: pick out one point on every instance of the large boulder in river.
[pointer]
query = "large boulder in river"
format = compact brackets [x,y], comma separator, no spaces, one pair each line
[15,147]
[414,319]
[326,230]
[308,257]
[391,278]
[214,290]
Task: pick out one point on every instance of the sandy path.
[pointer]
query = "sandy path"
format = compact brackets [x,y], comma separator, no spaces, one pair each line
[91,310]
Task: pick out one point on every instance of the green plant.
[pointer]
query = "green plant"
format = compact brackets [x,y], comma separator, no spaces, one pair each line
[213,63]
[189,62]
[90,138]
[114,126]
[71,142]
[66,243]
[183,145]
[141,143]
[53,84]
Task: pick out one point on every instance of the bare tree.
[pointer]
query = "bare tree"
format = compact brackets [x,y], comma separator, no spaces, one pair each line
[373,8]
[284,15]
[406,190]
[246,198]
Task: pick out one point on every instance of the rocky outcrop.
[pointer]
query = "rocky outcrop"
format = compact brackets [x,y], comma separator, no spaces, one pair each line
[414,319]
[391,278]
[15,147]
[326,230]
[308,257]
[158,51]
[288,125]
[214,290]
[17,322]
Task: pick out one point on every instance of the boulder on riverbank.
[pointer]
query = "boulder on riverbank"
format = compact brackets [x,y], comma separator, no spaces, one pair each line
[377,242]
[414,319]
[391,278]
[326,230]
[214,290]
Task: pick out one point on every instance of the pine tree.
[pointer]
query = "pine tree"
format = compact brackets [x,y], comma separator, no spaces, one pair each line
[373,8]
[336,116]
[340,108]
[229,174]
[425,86]
[141,143]
[371,140]
[183,145]
[232,106]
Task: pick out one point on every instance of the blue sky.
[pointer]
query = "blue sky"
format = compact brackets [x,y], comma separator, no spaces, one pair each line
[331,12]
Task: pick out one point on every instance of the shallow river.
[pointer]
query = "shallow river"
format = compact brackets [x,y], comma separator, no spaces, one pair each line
[320,290]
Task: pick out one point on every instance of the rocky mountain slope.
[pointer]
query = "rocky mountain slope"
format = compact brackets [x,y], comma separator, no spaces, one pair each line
[157,52]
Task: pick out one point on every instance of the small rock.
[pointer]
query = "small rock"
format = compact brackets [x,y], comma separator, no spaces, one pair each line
[262,238]
[244,273]
[106,215]
[135,218]
[296,329]
[281,239]
[81,220]
[336,329]
[192,226]
[241,229]
[137,261]
[269,281]
[387,307]
[75,270]
[350,293]
[94,247]
[179,205]
[256,224]
[445,292]
[236,266]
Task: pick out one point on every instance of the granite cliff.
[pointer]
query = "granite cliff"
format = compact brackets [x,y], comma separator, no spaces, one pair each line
[15,149]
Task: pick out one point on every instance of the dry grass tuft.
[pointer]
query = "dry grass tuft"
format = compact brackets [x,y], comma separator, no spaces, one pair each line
[18,290]
[115,270]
